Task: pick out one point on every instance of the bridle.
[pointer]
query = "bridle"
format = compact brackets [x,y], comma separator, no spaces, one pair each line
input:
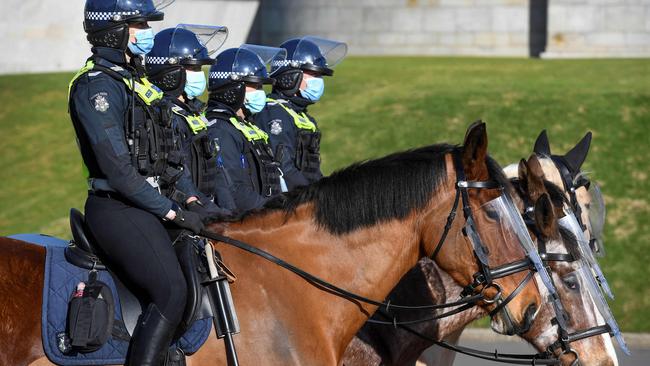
[486,275]
[565,337]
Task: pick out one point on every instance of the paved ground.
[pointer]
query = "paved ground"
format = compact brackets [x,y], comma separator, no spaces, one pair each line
[486,340]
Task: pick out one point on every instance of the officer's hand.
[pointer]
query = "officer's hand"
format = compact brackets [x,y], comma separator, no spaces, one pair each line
[188,220]
[207,210]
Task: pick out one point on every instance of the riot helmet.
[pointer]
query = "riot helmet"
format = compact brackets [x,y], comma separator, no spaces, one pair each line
[236,67]
[175,50]
[106,22]
[309,53]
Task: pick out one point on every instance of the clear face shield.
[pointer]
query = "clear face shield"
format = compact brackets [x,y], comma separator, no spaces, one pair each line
[511,228]
[570,223]
[146,6]
[257,71]
[160,4]
[589,286]
[211,38]
[333,51]
[597,213]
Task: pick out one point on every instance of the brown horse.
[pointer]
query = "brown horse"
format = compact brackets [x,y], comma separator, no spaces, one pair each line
[362,228]
[376,345]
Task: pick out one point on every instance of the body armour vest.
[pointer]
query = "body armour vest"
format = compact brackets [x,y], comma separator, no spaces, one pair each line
[153,146]
[260,155]
[202,152]
[307,158]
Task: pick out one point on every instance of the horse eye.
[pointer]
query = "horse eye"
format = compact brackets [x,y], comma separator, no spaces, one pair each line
[571,281]
[492,214]
[587,205]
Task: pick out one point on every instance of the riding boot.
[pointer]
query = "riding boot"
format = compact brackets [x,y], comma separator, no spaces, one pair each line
[152,339]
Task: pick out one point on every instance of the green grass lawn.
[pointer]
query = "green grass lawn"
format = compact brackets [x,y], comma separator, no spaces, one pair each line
[374,106]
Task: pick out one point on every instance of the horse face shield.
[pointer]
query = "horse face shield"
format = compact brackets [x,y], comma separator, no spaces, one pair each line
[509,227]
[596,212]
[592,283]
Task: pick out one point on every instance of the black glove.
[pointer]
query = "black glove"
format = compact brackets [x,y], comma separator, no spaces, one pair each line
[207,210]
[188,220]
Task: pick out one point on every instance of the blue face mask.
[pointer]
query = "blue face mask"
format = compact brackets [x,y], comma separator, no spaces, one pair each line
[194,83]
[143,41]
[314,89]
[255,101]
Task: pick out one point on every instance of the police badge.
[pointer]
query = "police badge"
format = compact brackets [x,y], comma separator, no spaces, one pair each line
[101,104]
[276,126]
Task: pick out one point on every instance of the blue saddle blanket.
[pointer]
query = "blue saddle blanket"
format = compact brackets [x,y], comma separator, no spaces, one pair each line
[61,279]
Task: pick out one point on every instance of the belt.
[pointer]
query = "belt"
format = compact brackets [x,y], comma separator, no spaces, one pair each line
[107,194]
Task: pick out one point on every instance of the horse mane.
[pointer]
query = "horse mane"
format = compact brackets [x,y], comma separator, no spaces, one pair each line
[379,190]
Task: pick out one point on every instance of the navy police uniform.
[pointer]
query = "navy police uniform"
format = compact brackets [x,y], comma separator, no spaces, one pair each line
[294,135]
[199,149]
[247,171]
[128,169]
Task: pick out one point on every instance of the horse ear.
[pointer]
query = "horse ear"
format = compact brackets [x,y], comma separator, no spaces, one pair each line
[576,156]
[545,216]
[522,170]
[475,151]
[535,178]
[542,146]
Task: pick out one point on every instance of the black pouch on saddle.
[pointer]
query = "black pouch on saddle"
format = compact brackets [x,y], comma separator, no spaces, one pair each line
[90,316]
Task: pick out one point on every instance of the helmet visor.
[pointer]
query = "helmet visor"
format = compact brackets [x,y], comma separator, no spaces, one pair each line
[597,213]
[257,70]
[510,227]
[331,51]
[140,10]
[570,223]
[161,4]
[209,39]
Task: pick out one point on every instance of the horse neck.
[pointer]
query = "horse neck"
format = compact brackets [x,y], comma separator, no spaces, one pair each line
[368,261]
[452,324]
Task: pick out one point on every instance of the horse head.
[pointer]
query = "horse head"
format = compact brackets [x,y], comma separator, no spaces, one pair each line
[492,234]
[584,195]
[560,249]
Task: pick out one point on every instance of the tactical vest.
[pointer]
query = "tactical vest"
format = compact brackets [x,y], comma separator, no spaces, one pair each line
[259,153]
[307,158]
[202,152]
[154,148]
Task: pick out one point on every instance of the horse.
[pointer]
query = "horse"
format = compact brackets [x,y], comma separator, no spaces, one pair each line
[389,346]
[362,227]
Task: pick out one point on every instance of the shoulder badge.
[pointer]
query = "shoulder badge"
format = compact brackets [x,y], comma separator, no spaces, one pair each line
[275,126]
[101,104]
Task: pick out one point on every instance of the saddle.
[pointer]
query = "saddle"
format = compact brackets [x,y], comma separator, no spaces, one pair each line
[82,252]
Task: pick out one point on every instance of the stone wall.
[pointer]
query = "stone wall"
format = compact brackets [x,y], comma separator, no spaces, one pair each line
[598,28]
[569,28]
[47,35]
[430,27]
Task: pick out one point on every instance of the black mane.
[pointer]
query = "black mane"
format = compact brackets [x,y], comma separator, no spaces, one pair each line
[375,191]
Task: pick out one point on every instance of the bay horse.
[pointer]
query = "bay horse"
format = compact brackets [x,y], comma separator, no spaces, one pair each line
[361,228]
[375,345]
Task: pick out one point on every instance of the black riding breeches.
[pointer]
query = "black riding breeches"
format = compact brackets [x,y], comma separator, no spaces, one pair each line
[138,249]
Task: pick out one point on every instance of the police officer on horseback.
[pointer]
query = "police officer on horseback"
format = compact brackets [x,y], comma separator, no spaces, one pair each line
[135,168]
[174,65]
[246,164]
[298,84]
